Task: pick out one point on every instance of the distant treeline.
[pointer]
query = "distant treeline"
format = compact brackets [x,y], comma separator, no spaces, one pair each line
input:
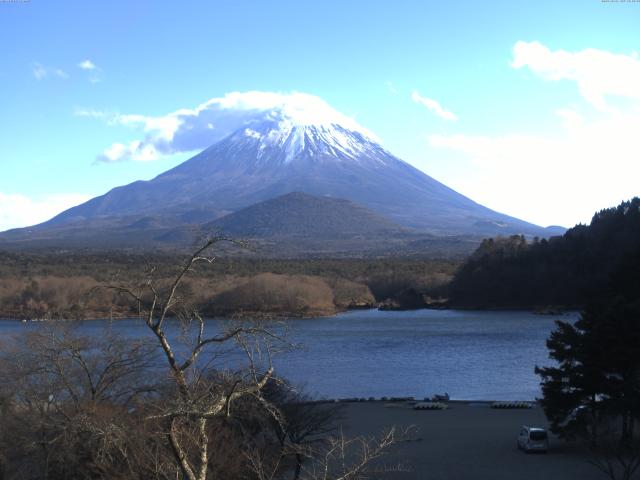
[564,271]
[62,285]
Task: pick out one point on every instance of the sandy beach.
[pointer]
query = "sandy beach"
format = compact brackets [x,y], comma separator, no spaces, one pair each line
[467,441]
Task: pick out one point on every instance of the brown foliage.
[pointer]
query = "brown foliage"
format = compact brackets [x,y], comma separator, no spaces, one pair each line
[75,297]
[271,293]
[350,294]
[64,278]
[46,297]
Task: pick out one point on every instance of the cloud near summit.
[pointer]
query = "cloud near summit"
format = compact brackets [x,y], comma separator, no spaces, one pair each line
[591,156]
[188,130]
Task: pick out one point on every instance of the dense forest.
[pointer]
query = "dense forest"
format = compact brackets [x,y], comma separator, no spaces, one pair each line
[562,272]
[61,285]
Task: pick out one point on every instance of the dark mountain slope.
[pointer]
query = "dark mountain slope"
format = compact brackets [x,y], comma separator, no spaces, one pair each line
[299,215]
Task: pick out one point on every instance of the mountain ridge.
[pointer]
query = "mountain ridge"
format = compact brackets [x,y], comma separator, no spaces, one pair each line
[285,153]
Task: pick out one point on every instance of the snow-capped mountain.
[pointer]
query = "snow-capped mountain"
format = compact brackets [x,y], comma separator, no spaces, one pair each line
[289,142]
[297,147]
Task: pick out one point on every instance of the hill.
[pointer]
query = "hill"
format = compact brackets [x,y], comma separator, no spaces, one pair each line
[563,271]
[300,215]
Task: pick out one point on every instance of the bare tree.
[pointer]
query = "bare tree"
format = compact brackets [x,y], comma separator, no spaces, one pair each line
[66,400]
[187,419]
[351,458]
[87,407]
[200,401]
[615,459]
[337,458]
[306,423]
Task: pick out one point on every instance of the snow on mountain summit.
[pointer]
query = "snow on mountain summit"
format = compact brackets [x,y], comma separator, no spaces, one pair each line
[300,123]
[196,129]
[289,141]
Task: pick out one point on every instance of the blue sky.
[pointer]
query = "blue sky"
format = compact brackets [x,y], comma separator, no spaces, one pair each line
[531,108]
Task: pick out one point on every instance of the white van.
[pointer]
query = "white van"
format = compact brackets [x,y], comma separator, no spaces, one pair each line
[533,439]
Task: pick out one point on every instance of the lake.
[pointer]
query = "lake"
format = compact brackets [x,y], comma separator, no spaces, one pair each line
[479,355]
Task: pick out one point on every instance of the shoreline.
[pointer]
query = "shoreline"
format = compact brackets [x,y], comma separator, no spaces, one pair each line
[305,316]
[410,403]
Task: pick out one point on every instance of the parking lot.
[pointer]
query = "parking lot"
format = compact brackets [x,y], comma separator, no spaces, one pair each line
[466,441]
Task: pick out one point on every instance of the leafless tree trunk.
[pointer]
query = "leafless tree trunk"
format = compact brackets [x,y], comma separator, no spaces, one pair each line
[196,402]
[91,407]
[339,458]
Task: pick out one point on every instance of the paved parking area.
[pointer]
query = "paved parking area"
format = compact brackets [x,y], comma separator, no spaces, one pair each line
[467,441]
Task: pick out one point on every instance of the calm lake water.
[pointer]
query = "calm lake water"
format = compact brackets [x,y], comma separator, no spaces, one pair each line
[469,354]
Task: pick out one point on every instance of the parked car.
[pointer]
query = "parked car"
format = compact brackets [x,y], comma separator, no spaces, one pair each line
[533,439]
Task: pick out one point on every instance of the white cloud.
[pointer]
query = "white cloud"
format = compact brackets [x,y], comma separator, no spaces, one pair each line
[598,73]
[90,112]
[60,73]
[188,130]
[95,72]
[40,71]
[164,127]
[391,88]
[562,178]
[571,119]
[18,210]
[87,65]
[134,150]
[433,106]
[590,160]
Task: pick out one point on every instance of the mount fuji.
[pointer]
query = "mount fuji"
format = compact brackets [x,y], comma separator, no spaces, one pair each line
[316,151]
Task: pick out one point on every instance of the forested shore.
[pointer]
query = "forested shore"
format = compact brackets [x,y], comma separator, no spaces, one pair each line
[67,286]
[564,272]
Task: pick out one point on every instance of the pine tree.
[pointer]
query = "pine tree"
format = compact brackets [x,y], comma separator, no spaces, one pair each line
[596,382]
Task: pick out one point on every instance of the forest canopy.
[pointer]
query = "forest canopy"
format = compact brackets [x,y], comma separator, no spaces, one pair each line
[563,271]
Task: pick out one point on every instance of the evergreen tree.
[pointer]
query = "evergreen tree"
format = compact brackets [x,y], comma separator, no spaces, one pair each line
[596,383]
[565,271]
[572,391]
